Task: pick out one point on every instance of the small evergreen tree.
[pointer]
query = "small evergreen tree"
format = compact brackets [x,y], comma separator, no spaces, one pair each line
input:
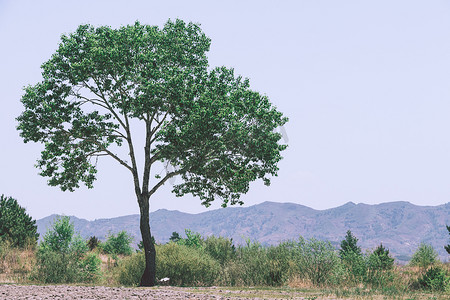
[352,257]
[15,224]
[349,245]
[93,242]
[175,237]
[386,262]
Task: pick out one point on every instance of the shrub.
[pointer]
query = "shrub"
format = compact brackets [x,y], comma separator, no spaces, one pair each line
[118,244]
[424,256]
[185,265]
[220,248]
[90,268]
[317,260]
[193,239]
[352,258]
[59,237]
[379,266]
[16,225]
[435,279]
[130,269]
[61,257]
[93,243]
[257,265]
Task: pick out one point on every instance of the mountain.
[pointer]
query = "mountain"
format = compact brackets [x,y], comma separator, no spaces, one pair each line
[400,226]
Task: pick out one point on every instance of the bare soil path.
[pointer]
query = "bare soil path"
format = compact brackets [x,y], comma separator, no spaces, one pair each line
[12,291]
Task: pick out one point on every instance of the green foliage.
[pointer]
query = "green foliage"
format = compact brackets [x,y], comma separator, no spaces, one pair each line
[316,259]
[257,265]
[352,258]
[220,248]
[90,268]
[15,224]
[186,265]
[349,245]
[435,279]
[118,244]
[175,237]
[93,243]
[62,258]
[379,267]
[216,133]
[193,239]
[424,256]
[59,237]
[381,259]
[130,269]
[99,78]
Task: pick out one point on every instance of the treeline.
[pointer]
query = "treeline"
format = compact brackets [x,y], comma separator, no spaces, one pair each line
[64,257]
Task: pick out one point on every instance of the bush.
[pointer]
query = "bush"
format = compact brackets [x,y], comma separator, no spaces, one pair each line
[16,225]
[379,266]
[352,258]
[424,256]
[257,265]
[89,268]
[185,265]
[220,248]
[317,260]
[193,239]
[93,243]
[59,237]
[130,269]
[61,257]
[435,279]
[118,244]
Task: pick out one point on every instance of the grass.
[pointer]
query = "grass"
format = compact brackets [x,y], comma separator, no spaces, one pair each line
[16,266]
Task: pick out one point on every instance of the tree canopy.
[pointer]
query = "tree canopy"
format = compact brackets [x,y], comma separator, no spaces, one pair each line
[207,125]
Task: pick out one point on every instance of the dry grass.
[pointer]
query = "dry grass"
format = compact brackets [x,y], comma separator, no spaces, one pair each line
[16,264]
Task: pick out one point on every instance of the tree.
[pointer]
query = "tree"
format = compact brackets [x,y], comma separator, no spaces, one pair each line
[349,245]
[15,224]
[383,259]
[424,256]
[447,248]
[118,244]
[206,126]
[175,237]
[351,255]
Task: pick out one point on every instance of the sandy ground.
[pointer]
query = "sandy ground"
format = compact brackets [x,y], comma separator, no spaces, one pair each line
[12,291]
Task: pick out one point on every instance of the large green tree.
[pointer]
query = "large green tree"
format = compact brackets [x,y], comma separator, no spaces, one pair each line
[16,225]
[207,125]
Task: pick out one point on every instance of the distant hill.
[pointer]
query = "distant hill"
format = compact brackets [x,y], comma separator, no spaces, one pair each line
[400,226]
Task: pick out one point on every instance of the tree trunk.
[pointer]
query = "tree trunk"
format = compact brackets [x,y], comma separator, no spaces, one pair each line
[149,276]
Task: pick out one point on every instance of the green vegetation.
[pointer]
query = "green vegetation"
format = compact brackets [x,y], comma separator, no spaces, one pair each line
[16,225]
[204,124]
[118,244]
[424,256]
[62,256]
[309,264]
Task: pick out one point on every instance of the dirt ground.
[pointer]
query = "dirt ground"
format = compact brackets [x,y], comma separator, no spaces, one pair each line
[12,291]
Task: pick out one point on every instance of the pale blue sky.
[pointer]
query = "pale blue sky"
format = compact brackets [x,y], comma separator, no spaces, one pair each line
[366,85]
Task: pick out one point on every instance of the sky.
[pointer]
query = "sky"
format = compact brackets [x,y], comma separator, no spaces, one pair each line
[365,84]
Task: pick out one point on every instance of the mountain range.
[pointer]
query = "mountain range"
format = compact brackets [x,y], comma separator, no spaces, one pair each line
[399,226]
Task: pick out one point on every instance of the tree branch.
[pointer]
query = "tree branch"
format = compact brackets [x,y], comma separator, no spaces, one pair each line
[162,181]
